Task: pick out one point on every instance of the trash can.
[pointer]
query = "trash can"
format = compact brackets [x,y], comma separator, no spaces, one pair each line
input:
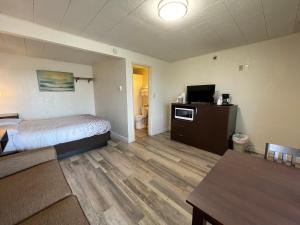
[240,142]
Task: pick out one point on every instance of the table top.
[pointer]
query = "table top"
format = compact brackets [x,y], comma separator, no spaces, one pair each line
[242,189]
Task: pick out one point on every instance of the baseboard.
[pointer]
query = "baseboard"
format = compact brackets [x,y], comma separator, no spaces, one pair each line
[259,151]
[118,136]
[160,131]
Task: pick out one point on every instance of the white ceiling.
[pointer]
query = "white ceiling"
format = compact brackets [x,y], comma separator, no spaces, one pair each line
[22,46]
[210,25]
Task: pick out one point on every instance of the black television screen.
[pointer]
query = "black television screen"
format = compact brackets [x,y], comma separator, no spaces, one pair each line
[200,94]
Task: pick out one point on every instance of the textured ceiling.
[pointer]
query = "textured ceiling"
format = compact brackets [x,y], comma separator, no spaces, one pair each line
[210,25]
[33,48]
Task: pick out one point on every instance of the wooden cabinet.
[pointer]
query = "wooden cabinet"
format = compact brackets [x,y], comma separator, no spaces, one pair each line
[211,129]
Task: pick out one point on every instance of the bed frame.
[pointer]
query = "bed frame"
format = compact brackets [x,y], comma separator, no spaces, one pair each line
[79,146]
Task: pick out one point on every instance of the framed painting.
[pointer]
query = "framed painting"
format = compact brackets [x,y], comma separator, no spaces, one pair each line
[53,81]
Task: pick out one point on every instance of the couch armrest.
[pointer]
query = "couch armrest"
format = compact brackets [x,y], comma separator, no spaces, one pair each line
[14,163]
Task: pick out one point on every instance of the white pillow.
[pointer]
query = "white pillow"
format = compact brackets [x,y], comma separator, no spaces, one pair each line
[11,129]
[9,122]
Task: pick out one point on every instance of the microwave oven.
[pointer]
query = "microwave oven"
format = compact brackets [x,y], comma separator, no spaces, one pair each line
[184,113]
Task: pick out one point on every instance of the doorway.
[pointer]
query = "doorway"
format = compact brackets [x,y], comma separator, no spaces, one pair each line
[141,100]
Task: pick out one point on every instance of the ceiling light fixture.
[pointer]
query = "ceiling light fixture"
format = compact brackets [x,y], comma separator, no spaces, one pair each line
[171,10]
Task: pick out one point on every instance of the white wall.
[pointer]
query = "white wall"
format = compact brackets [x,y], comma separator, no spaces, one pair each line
[110,101]
[267,93]
[19,86]
[118,106]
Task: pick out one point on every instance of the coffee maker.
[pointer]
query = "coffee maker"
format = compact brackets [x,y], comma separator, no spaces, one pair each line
[226,99]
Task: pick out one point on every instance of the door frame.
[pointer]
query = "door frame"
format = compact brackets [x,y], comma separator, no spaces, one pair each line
[149,128]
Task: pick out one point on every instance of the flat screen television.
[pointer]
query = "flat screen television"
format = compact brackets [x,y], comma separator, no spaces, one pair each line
[201,94]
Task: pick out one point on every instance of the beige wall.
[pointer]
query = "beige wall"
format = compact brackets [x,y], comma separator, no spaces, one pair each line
[267,93]
[20,90]
[110,101]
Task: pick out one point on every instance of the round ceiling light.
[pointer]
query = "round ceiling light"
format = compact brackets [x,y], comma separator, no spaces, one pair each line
[171,10]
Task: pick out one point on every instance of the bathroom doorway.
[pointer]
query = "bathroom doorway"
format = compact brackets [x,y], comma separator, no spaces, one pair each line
[141,100]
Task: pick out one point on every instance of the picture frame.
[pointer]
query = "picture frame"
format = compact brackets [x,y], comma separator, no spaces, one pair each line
[55,81]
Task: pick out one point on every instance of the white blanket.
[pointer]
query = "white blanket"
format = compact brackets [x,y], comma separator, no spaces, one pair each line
[34,134]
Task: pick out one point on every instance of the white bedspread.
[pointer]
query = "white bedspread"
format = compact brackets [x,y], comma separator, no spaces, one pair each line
[48,132]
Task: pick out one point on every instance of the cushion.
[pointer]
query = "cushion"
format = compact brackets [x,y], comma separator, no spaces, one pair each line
[16,162]
[29,191]
[66,212]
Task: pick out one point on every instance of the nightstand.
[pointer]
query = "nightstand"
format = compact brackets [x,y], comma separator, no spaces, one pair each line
[9,116]
[3,140]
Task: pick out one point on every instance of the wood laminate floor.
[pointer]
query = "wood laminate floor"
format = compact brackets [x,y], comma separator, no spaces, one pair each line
[140,133]
[145,183]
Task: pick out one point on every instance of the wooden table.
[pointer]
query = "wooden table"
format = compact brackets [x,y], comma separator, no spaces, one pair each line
[242,189]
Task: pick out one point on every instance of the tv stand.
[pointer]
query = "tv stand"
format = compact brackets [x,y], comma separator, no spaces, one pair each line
[211,129]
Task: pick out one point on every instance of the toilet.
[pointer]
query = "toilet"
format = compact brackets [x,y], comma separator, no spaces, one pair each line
[141,120]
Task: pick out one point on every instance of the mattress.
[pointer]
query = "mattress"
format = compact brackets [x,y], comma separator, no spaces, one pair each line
[32,134]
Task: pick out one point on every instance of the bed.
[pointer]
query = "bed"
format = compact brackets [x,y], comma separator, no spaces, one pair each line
[69,135]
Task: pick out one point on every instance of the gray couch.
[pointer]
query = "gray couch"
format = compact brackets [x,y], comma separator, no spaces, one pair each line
[33,191]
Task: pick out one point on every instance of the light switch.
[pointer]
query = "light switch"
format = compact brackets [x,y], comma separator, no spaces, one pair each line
[120,88]
[243,67]
[115,51]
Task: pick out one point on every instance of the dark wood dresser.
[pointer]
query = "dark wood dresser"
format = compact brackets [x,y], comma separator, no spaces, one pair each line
[211,129]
